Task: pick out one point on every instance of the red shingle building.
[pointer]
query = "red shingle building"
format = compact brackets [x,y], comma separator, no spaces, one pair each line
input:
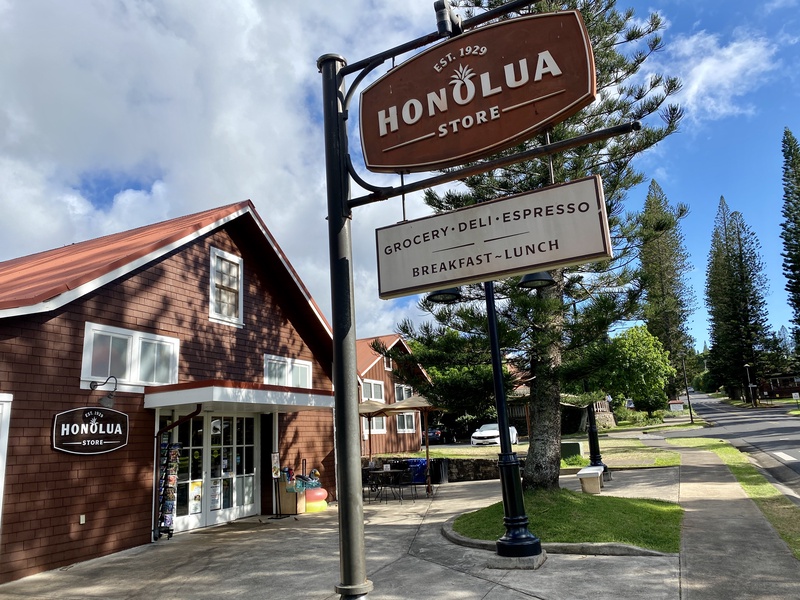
[378,381]
[149,381]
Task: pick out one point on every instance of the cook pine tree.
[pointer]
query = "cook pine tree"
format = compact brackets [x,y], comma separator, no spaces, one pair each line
[542,332]
[735,297]
[790,230]
[664,263]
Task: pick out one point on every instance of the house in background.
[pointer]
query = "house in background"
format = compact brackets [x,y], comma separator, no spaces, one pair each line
[379,381]
[217,362]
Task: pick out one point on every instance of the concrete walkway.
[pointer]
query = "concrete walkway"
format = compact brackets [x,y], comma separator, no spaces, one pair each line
[729,551]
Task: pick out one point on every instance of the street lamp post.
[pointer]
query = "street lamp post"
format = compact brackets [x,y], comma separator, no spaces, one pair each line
[595,458]
[749,385]
[518,541]
[686,385]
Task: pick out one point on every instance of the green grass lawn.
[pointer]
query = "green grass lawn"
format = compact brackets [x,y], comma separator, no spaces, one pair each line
[570,517]
[630,453]
[566,516]
[617,452]
[789,403]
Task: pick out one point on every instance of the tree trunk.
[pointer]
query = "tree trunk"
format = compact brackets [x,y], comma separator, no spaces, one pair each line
[543,463]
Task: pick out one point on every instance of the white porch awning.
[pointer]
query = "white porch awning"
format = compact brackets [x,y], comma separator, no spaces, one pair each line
[235,396]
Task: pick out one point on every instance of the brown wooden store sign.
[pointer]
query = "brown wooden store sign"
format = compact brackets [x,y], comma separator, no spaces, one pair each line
[90,430]
[478,93]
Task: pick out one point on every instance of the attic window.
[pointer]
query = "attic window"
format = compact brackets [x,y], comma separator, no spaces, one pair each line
[227,278]
[387,363]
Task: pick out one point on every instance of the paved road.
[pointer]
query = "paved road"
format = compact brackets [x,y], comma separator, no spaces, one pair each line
[768,434]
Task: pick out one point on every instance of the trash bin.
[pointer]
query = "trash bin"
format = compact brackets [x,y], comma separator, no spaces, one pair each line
[417,466]
[439,468]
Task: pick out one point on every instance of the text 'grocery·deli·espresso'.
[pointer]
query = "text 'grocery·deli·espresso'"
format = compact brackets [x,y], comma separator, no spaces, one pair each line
[551,227]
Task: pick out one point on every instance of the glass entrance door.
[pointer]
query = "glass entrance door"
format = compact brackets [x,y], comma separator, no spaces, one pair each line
[217,470]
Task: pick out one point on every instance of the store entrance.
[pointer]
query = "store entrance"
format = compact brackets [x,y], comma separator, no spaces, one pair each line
[217,471]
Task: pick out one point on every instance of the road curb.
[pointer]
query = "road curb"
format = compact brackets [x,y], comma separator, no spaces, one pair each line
[583,548]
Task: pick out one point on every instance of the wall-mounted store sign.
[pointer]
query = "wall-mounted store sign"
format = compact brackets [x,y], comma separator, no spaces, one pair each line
[554,227]
[478,93]
[90,430]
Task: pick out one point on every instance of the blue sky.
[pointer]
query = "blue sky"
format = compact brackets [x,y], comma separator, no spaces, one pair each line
[115,115]
[739,63]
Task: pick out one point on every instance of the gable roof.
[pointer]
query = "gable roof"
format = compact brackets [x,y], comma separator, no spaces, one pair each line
[48,280]
[366,357]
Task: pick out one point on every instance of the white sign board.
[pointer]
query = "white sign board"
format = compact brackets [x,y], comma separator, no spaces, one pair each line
[553,227]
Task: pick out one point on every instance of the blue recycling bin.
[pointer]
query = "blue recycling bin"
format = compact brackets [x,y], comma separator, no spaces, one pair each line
[417,466]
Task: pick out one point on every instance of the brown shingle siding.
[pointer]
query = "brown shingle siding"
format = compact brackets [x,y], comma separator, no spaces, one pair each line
[40,365]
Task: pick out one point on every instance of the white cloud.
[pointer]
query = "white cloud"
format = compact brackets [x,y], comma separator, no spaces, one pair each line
[776,5]
[718,78]
[189,109]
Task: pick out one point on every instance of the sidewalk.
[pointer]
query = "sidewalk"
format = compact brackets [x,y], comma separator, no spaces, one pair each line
[729,551]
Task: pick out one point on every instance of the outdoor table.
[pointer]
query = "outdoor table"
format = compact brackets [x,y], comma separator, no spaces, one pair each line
[386,478]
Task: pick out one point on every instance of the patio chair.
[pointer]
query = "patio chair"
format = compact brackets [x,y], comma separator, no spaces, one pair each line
[405,484]
[370,484]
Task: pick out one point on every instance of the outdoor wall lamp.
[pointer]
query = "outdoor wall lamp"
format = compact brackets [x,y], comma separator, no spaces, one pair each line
[106,401]
[448,23]
[530,281]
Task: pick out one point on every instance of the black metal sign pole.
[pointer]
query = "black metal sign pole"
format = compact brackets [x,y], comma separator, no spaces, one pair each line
[354,583]
[352,559]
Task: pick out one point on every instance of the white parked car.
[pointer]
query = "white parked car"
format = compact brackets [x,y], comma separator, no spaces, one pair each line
[490,434]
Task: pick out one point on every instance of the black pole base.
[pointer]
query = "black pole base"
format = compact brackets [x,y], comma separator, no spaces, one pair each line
[519,546]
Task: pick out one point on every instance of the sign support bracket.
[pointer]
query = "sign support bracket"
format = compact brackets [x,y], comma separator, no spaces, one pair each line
[384,193]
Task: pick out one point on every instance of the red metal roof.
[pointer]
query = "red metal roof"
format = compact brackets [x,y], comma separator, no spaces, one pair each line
[366,357]
[32,279]
[47,280]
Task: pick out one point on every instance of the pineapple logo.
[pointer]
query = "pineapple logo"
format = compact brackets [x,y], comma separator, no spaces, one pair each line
[464,88]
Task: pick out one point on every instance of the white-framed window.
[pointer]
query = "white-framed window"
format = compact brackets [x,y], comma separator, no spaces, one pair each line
[405,423]
[5,420]
[290,372]
[227,285]
[387,363]
[378,425]
[135,358]
[401,392]
[373,390]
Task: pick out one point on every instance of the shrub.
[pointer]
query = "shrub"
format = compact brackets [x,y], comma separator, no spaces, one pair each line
[637,417]
[575,460]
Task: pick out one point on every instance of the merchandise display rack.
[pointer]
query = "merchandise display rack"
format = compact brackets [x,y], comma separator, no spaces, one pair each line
[167,490]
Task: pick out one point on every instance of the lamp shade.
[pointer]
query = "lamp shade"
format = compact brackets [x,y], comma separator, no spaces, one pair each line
[107,401]
[445,296]
[541,279]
